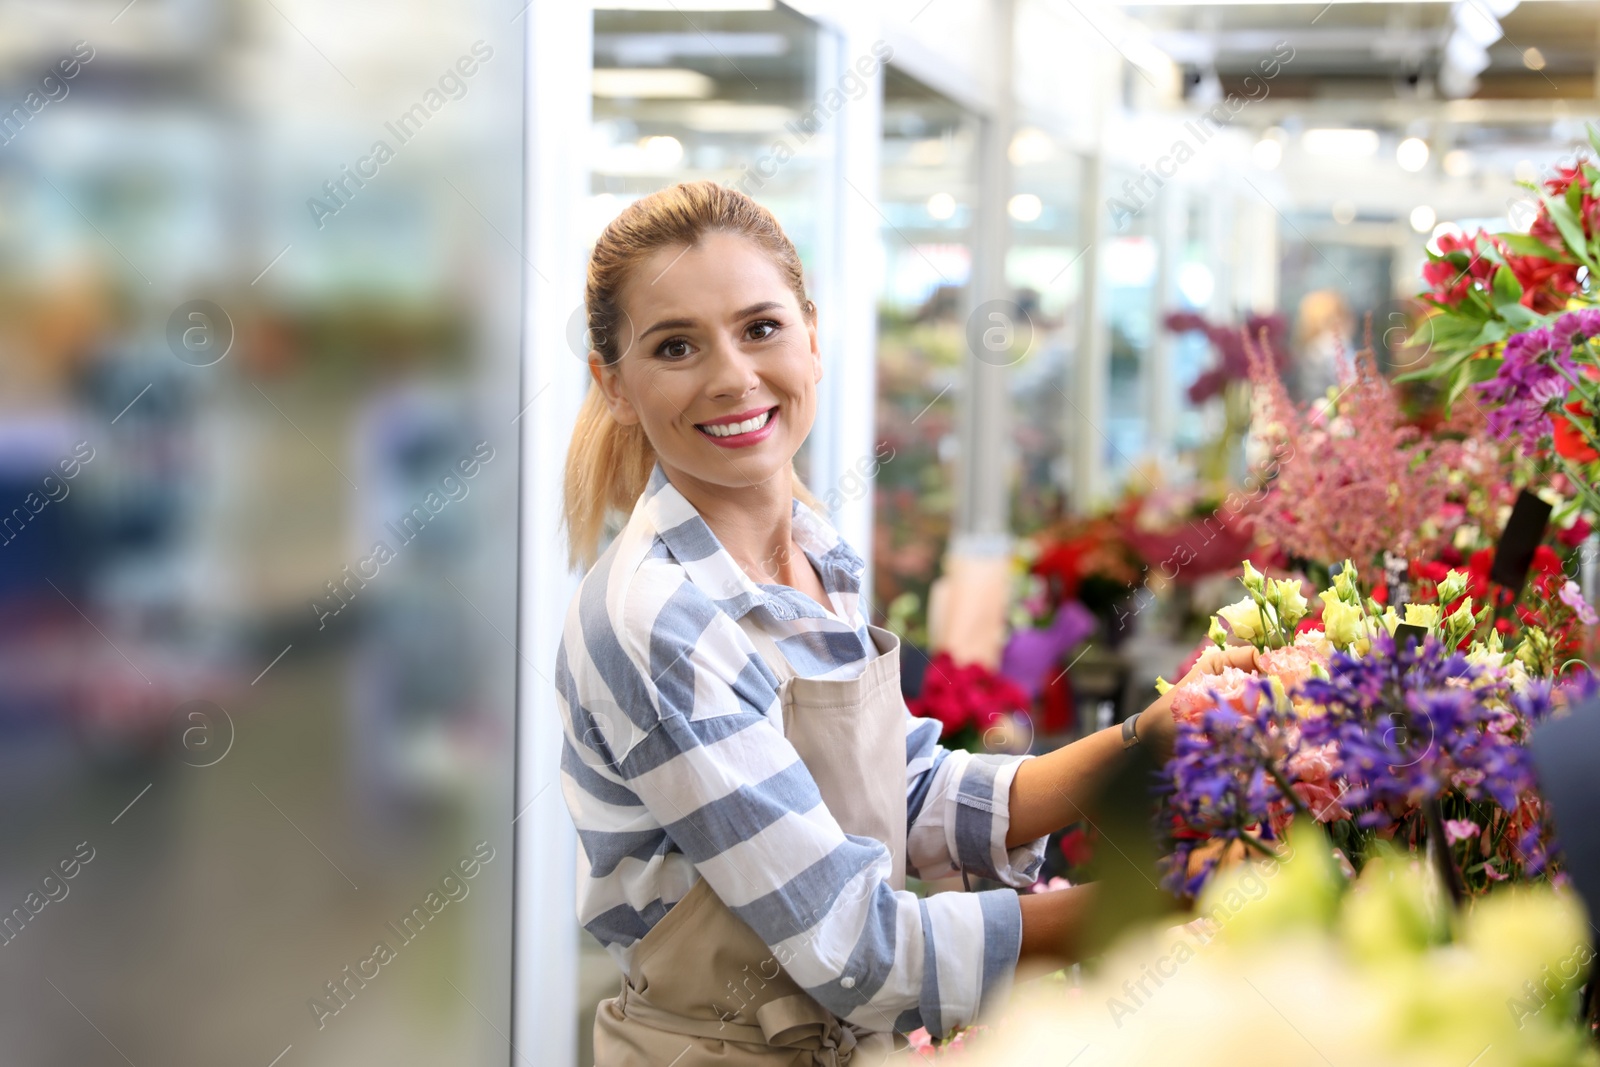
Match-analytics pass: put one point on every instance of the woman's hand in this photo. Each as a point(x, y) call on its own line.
point(1048, 791)
point(1156, 726)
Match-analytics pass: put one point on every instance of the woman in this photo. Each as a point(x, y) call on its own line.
point(748, 786)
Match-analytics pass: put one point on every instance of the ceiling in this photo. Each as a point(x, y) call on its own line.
point(1539, 51)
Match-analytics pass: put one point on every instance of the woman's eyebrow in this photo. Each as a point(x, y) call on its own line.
point(742, 313)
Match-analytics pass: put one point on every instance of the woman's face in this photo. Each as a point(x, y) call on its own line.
point(719, 365)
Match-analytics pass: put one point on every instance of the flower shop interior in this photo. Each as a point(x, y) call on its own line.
point(1146, 328)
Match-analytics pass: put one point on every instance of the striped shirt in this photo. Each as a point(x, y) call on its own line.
point(675, 768)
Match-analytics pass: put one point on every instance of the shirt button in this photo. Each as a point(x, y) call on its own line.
point(847, 982)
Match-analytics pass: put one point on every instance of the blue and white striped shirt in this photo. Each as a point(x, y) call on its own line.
point(675, 768)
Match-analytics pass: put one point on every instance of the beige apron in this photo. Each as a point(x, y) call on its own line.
point(706, 991)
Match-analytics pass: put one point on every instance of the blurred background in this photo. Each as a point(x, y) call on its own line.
point(286, 282)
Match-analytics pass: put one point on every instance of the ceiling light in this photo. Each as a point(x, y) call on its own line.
point(1031, 145)
point(659, 83)
point(1533, 59)
point(664, 152)
point(1412, 154)
point(1422, 218)
point(1477, 23)
point(941, 205)
point(1457, 162)
point(1024, 207)
point(1334, 142)
point(1464, 54)
point(1344, 212)
point(1267, 153)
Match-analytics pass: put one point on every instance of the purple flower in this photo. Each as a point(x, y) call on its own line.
point(1217, 782)
point(1576, 327)
point(1032, 654)
point(1409, 723)
point(1529, 381)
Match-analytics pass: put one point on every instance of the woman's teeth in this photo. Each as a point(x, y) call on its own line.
point(729, 429)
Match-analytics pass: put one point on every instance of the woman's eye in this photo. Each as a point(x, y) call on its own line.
point(767, 326)
point(674, 349)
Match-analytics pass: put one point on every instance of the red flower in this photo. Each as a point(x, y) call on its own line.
point(1430, 570)
point(1076, 847)
point(1568, 439)
point(1574, 535)
point(1450, 282)
point(969, 695)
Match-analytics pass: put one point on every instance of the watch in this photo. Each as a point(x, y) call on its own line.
point(1130, 733)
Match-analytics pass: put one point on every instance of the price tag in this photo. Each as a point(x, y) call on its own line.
point(1524, 530)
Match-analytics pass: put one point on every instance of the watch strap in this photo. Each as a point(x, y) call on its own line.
point(1130, 733)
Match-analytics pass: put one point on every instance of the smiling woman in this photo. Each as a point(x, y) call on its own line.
point(749, 788)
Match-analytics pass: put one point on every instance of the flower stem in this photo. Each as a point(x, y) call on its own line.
point(1289, 793)
point(1587, 491)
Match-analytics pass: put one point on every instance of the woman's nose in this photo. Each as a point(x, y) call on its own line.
point(732, 371)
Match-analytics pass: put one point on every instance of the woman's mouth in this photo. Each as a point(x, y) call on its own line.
point(749, 431)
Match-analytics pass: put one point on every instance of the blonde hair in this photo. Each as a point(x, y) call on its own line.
point(609, 463)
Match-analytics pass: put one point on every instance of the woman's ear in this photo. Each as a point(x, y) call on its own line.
point(608, 379)
point(816, 352)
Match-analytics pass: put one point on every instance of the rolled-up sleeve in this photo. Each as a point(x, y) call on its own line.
point(702, 753)
point(958, 811)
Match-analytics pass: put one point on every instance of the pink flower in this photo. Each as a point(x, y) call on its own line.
point(1572, 596)
point(1290, 665)
point(1494, 875)
point(1466, 778)
point(1323, 800)
point(1231, 688)
point(1314, 764)
point(1459, 830)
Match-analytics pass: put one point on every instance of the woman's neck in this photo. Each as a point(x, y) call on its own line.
point(754, 523)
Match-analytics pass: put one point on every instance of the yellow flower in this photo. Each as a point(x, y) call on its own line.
point(1341, 622)
point(1344, 584)
point(1291, 603)
point(1422, 615)
point(1249, 621)
point(1454, 584)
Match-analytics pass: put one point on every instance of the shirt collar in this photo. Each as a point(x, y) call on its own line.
point(689, 539)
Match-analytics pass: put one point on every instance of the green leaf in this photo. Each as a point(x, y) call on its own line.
point(1475, 371)
point(1506, 289)
point(1525, 244)
point(1492, 331)
point(1571, 230)
point(1575, 199)
point(1453, 358)
point(1594, 135)
point(1519, 318)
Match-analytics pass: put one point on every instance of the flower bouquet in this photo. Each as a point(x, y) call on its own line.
point(1415, 736)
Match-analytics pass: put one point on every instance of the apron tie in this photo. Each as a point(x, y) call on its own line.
point(797, 1022)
